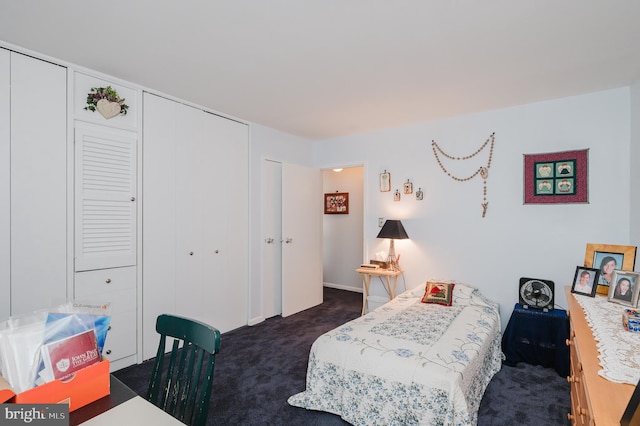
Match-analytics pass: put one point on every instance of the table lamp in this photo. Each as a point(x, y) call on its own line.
point(393, 230)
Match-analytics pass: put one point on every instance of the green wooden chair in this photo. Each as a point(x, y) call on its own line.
point(183, 388)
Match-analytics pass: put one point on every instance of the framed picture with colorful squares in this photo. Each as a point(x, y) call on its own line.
point(556, 177)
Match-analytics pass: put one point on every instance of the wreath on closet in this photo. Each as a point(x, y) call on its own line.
point(106, 101)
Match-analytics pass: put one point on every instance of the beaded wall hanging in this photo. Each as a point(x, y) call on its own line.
point(483, 171)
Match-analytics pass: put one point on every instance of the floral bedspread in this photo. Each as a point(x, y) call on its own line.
point(407, 362)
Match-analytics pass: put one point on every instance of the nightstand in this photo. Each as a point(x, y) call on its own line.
point(388, 274)
point(537, 337)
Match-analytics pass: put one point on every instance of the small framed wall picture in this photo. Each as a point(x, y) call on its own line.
point(585, 281)
point(396, 196)
point(419, 194)
point(408, 187)
point(385, 181)
point(336, 203)
point(624, 288)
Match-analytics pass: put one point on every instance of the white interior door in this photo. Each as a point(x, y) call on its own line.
point(302, 235)
point(272, 238)
point(38, 184)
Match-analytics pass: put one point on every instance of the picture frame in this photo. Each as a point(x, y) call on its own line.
point(336, 203)
point(385, 182)
point(588, 287)
point(600, 256)
point(419, 194)
point(396, 195)
point(556, 177)
point(625, 288)
point(408, 187)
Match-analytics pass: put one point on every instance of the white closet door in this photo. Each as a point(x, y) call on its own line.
point(302, 232)
point(5, 187)
point(38, 184)
point(226, 222)
point(160, 136)
point(191, 283)
point(195, 217)
point(105, 200)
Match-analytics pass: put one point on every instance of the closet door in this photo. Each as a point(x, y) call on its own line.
point(5, 187)
point(105, 201)
point(195, 219)
point(159, 244)
point(226, 222)
point(38, 184)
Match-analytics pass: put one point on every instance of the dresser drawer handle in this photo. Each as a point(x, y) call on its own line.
point(568, 342)
point(573, 379)
point(108, 281)
point(108, 352)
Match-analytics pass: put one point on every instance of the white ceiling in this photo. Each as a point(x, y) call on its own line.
point(324, 68)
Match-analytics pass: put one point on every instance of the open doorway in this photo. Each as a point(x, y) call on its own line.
point(343, 233)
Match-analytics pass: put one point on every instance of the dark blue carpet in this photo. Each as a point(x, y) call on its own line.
point(260, 366)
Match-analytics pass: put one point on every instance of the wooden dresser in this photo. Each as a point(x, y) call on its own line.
point(594, 399)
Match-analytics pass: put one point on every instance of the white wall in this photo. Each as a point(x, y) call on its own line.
point(266, 143)
point(634, 158)
point(450, 239)
point(342, 233)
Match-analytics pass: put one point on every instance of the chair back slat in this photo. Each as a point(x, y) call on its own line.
point(183, 388)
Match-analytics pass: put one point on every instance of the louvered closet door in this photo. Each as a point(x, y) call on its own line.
point(105, 203)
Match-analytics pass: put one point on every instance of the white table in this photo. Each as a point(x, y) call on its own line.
point(136, 411)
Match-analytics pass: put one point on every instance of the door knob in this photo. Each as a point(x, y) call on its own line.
point(269, 240)
point(288, 240)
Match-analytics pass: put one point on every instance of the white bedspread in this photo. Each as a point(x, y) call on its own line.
point(407, 362)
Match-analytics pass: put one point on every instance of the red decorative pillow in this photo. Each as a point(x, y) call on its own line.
point(440, 293)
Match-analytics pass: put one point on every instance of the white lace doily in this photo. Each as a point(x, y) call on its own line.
point(619, 355)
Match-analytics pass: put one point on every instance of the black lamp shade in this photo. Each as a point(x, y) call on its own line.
point(393, 229)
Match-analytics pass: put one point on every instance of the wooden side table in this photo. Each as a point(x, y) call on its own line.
point(367, 273)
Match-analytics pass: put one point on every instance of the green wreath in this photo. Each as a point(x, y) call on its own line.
point(107, 93)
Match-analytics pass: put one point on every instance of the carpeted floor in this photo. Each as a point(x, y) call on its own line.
point(260, 366)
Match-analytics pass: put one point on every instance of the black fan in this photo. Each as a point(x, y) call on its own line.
point(535, 293)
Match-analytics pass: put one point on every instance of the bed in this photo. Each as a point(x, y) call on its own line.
point(407, 362)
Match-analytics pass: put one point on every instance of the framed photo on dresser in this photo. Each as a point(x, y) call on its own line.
point(607, 258)
point(624, 288)
point(585, 281)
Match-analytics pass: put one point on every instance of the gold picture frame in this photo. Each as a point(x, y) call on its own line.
point(596, 254)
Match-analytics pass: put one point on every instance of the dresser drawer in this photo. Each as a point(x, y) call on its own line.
point(96, 283)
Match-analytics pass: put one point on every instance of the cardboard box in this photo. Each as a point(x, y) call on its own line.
point(631, 320)
point(86, 386)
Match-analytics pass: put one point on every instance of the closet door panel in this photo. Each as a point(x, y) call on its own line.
point(191, 284)
point(226, 225)
point(5, 187)
point(159, 215)
point(38, 184)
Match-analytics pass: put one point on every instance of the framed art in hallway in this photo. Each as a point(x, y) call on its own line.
point(624, 288)
point(585, 281)
point(556, 177)
point(607, 258)
point(336, 203)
